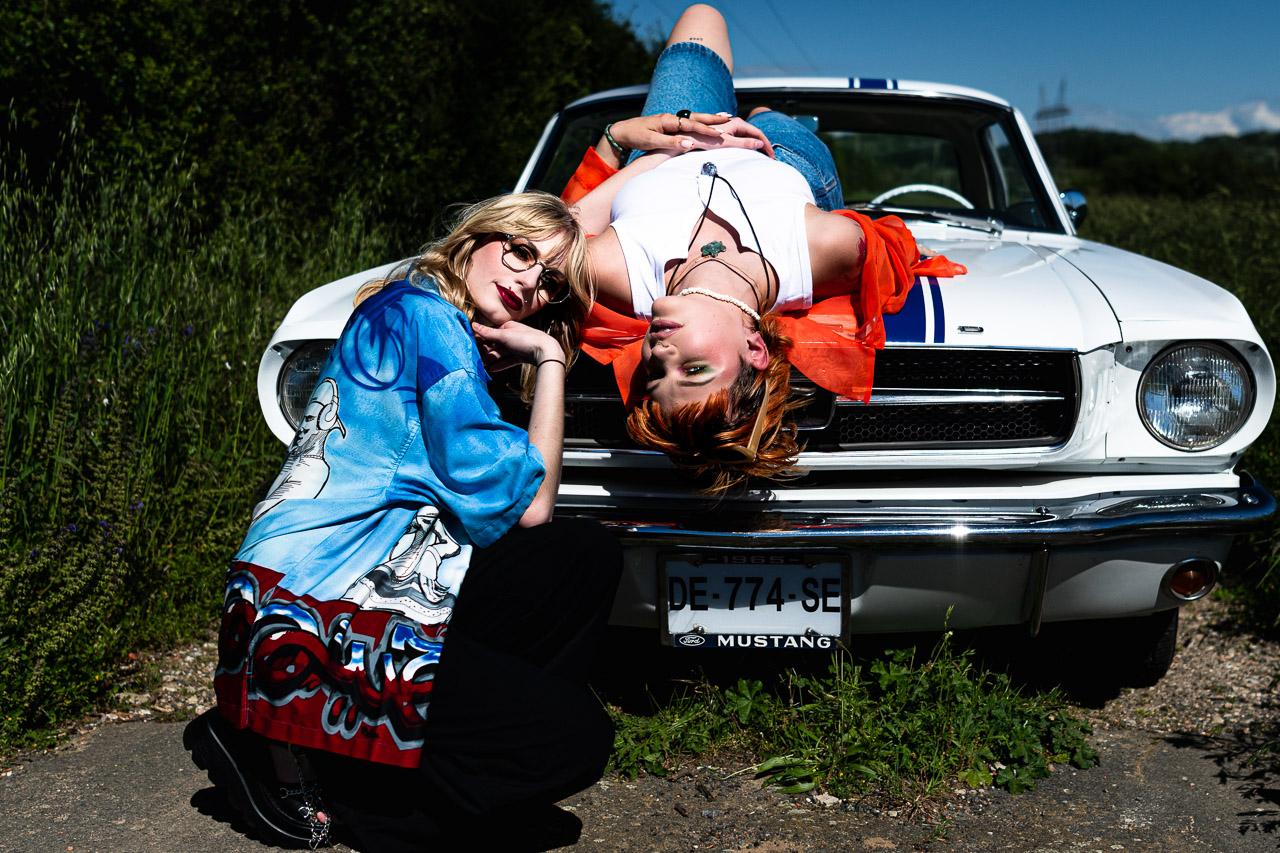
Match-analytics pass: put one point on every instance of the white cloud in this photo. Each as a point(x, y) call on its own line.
point(1191, 125)
point(1260, 116)
point(1194, 125)
point(1229, 121)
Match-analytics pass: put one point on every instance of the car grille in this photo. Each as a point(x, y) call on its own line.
point(935, 398)
point(921, 399)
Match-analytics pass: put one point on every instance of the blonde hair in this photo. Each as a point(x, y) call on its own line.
point(699, 436)
point(536, 215)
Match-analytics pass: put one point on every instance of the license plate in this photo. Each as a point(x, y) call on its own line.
point(745, 600)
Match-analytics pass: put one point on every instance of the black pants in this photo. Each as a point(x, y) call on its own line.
point(512, 724)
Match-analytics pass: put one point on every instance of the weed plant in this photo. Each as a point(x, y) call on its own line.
point(897, 728)
point(133, 446)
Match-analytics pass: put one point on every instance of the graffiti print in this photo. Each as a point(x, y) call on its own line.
point(327, 669)
point(408, 580)
point(305, 470)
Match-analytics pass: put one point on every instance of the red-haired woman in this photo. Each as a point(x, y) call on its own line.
point(713, 255)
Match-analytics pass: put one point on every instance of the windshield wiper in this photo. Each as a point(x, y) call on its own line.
point(985, 224)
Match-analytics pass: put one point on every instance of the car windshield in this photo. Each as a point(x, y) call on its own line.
point(956, 160)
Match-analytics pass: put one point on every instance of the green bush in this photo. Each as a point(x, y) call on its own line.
point(897, 728)
point(133, 444)
point(174, 176)
point(1104, 162)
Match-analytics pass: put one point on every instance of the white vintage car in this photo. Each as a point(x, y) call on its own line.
point(1052, 438)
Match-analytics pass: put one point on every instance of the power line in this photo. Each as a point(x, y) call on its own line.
point(663, 14)
point(736, 26)
point(763, 48)
point(813, 66)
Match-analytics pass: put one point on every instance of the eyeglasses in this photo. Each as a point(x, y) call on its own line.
point(519, 254)
point(748, 451)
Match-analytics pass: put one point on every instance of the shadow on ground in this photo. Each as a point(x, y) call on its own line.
point(1081, 659)
point(1248, 765)
point(212, 803)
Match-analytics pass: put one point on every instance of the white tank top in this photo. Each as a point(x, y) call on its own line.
point(654, 215)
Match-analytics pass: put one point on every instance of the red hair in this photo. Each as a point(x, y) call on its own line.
point(702, 437)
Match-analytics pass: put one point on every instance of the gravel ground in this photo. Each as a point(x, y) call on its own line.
point(1180, 769)
point(1223, 682)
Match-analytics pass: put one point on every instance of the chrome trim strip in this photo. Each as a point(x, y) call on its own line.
point(949, 397)
point(771, 526)
point(573, 397)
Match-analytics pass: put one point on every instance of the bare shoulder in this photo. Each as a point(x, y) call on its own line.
point(836, 244)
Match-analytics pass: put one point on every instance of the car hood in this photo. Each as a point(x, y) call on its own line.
point(321, 314)
point(1014, 295)
point(1021, 291)
point(1048, 291)
point(1154, 301)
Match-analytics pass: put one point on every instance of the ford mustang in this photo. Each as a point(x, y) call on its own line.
point(1052, 438)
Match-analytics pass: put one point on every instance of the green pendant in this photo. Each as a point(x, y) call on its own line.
point(710, 250)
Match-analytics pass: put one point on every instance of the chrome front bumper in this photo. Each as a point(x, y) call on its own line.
point(986, 562)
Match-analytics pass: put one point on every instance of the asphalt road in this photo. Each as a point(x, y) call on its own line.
point(131, 787)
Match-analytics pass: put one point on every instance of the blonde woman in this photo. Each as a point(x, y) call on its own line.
point(414, 637)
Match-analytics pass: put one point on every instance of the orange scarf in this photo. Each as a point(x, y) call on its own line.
point(833, 342)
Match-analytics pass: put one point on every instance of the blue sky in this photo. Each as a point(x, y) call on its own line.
point(1163, 69)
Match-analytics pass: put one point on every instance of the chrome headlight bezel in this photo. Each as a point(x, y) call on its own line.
point(298, 377)
point(1188, 350)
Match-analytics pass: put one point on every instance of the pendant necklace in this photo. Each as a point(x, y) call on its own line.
point(715, 247)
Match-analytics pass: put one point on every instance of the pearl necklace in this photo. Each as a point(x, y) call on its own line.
point(723, 297)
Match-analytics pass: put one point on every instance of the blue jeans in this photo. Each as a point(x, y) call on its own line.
point(691, 76)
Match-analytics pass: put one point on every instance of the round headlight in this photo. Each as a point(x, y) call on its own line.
point(1195, 396)
point(298, 379)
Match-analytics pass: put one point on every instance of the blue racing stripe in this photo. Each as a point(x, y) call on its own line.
point(939, 316)
point(907, 326)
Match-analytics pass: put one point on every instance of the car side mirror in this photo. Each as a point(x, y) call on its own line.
point(1076, 204)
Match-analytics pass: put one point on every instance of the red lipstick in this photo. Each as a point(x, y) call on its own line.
point(509, 298)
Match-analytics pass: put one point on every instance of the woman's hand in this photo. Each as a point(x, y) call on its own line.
point(514, 343)
point(700, 131)
point(737, 132)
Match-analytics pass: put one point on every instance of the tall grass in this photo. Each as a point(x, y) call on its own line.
point(131, 322)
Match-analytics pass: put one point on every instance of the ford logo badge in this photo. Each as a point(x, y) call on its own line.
point(691, 640)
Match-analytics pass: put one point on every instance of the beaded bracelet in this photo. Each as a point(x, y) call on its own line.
point(613, 143)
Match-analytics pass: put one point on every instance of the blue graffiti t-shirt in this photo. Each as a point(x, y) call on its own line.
point(401, 465)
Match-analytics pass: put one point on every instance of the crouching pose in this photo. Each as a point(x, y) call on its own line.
point(405, 643)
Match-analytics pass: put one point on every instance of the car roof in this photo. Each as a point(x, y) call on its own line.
point(919, 88)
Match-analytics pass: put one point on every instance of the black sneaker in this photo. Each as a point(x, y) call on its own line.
point(238, 763)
